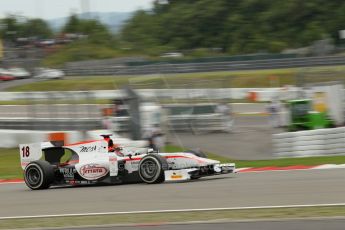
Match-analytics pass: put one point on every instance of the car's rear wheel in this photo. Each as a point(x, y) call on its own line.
point(151, 169)
point(39, 175)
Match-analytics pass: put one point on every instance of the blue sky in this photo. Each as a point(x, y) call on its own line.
point(48, 9)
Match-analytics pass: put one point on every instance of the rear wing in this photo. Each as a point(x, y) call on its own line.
point(29, 153)
point(33, 152)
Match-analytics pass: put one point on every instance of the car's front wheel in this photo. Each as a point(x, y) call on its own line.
point(39, 175)
point(151, 169)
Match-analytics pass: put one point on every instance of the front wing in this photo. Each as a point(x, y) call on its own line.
point(193, 173)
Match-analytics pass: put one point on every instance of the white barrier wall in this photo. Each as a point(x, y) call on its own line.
point(320, 142)
point(263, 94)
point(12, 138)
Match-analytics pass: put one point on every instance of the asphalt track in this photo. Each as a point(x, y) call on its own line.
point(322, 224)
point(241, 190)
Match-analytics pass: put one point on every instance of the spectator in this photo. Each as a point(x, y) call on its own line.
point(225, 110)
point(273, 110)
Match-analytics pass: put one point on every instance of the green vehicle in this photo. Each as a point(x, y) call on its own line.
point(304, 118)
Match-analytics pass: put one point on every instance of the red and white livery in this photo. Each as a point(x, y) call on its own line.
point(54, 164)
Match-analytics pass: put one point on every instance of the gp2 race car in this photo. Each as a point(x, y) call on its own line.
point(53, 163)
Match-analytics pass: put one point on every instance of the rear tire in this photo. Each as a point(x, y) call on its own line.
point(39, 175)
point(151, 169)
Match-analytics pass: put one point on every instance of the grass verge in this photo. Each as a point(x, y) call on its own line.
point(150, 218)
point(10, 162)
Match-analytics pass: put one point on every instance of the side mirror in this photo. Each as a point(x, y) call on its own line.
point(150, 151)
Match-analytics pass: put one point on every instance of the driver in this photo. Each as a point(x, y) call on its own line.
point(109, 141)
point(111, 146)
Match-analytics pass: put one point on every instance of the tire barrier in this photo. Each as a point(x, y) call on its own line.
point(321, 142)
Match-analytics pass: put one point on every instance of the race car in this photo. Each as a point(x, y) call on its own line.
point(55, 164)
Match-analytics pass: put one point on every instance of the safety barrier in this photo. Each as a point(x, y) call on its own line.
point(163, 68)
point(50, 123)
point(191, 123)
point(197, 118)
point(184, 117)
point(261, 94)
point(320, 142)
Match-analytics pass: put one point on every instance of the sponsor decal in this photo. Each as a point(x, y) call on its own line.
point(80, 182)
point(87, 149)
point(68, 172)
point(93, 171)
point(176, 176)
point(88, 182)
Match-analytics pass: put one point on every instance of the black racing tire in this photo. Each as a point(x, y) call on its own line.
point(151, 169)
point(39, 175)
point(197, 153)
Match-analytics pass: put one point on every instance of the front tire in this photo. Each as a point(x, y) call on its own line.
point(151, 169)
point(38, 175)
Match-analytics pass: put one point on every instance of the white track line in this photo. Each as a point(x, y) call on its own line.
point(173, 210)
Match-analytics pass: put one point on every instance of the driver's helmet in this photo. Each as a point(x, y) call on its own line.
point(110, 142)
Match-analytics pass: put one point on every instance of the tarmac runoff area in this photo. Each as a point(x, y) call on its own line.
point(274, 188)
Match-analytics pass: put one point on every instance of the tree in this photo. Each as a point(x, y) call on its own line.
point(14, 27)
point(10, 27)
point(96, 31)
point(236, 26)
point(35, 28)
point(72, 25)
